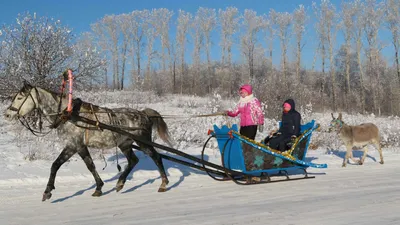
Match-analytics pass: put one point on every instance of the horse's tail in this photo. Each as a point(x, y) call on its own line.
point(159, 123)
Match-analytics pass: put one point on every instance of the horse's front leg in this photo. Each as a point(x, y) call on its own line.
point(85, 155)
point(66, 154)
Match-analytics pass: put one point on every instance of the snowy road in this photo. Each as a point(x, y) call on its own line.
point(368, 194)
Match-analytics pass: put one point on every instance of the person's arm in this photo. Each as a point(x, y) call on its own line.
point(259, 112)
point(297, 120)
point(234, 112)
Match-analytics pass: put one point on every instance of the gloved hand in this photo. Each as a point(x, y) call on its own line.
point(261, 128)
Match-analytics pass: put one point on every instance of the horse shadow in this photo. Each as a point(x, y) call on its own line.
point(356, 154)
point(145, 163)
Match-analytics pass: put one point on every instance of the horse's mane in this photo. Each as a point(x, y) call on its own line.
point(85, 105)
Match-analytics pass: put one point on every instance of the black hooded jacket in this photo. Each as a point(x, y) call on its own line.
point(290, 121)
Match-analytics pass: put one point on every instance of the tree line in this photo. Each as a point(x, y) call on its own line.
point(170, 52)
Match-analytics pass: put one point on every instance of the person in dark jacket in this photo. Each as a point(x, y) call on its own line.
point(289, 130)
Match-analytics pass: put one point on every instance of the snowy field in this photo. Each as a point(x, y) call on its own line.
point(367, 194)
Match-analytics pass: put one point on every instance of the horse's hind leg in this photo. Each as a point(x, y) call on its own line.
point(126, 148)
point(66, 153)
point(85, 155)
point(158, 161)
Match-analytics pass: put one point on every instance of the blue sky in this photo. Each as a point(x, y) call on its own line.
point(78, 15)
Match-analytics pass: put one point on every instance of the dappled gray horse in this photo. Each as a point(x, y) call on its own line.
point(79, 136)
point(356, 136)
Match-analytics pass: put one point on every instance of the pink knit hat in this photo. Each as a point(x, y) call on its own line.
point(248, 88)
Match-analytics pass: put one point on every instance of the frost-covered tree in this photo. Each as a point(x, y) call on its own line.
point(163, 17)
point(151, 33)
point(392, 17)
point(138, 28)
point(283, 21)
point(228, 23)
point(252, 24)
point(326, 29)
point(197, 37)
point(88, 62)
point(347, 27)
point(123, 22)
point(183, 26)
point(374, 12)
point(39, 49)
point(299, 28)
point(207, 19)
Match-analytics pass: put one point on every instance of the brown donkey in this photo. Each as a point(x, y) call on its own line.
point(356, 136)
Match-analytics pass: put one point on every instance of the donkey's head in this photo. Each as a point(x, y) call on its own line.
point(336, 123)
point(22, 103)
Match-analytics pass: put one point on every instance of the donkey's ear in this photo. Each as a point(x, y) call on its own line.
point(340, 116)
point(332, 116)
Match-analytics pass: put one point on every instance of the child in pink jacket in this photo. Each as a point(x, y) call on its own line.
point(251, 114)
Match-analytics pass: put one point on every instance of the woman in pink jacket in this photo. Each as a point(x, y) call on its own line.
point(251, 114)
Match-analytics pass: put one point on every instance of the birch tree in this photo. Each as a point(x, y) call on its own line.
point(358, 9)
point(123, 22)
point(183, 26)
point(197, 37)
point(110, 25)
point(326, 18)
point(207, 18)
point(392, 17)
point(228, 22)
point(268, 25)
point(151, 20)
point(347, 27)
point(283, 22)
point(163, 18)
point(252, 25)
point(373, 20)
point(138, 28)
point(299, 23)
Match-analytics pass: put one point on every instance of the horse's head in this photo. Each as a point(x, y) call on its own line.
point(336, 123)
point(22, 103)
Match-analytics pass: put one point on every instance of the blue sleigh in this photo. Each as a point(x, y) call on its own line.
point(258, 160)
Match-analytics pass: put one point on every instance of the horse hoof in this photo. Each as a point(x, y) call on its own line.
point(360, 163)
point(381, 162)
point(119, 187)
point(344, 165)
point(97, 193)
point(162, 189)
point(46, 196)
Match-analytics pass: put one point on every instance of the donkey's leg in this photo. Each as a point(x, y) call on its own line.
point(66, 153)
point(158, 161)
point(352, 157)
point(126, 148)
point(85, 155)
point(347, 156)
point(378, 146)
point(363, 156)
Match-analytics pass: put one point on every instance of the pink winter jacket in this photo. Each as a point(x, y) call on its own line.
point(250, 111)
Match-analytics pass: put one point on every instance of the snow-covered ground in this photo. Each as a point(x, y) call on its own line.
point(367, 194)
